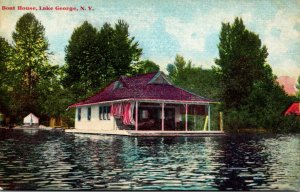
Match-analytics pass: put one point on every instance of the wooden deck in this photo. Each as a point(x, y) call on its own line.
point(149, 133)
point(175, 133)
point(98, 132)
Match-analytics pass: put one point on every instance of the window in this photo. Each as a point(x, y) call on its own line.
point(89, 113)
point(100, 112)
point(79, 114)
point(118, 85)
point(108, 112)
point(104, 112)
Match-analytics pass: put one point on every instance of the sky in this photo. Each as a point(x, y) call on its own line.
point(165, 28)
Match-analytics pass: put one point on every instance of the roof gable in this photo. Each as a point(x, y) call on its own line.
point(293, 109)
point(118, 85)
point(159, 78)
point(31, 114)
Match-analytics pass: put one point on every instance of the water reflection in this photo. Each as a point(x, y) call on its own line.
point(283, 151)
point(55, 160)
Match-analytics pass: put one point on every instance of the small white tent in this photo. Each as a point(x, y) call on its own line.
point(31, 119)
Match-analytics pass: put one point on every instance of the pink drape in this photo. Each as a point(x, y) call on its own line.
point(124, 111)
point(117, 109)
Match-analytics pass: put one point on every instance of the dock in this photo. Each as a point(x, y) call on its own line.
point(175, 133)
point(148, 133)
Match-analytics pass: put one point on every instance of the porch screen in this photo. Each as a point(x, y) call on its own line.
point(194, 110)
point(124, 111)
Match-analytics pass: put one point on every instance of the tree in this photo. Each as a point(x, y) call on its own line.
point(29, 83)
point(30, 57)
point(82, 62)
point(241, 62)
point(105, 38)
point(146, 66)
point(125, 51)
point(251, 97)
point(201, 81)
point(5, 60)
point(94, 58)
point(5, 56)
point(31, 49)
point(53, 97)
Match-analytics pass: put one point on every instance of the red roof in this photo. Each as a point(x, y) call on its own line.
point(151, 86)
point(293, 109)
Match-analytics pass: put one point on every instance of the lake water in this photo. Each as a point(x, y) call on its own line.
point(46, 160)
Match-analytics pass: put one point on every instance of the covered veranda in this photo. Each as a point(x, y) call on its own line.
point(166, 116)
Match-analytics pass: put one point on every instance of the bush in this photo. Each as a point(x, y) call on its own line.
point(271, 121)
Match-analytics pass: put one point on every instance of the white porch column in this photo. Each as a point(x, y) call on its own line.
point(208, 117)
point(162, 116)
point(136, 115)
point(194, 118)
point(186, 117)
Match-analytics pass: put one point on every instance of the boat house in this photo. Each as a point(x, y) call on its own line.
point(146, 103)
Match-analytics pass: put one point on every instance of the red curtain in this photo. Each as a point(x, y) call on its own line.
point(117, 109)
point(124, 111)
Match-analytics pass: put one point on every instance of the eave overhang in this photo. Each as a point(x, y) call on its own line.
point(165, 101)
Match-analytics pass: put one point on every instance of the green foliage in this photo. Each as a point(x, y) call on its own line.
point(81, 59)
point(29, 59)
point(5, 56)
point(251, 97)
point(94, 58)
point(241, 62)
point(204, 82)
point(269, 121)
point(53, 99)
point(264, 109)
point(31, 49)
point(143, 67)
point(125, 50)
point(28, 82)
point(5, 60)
point(105, 38)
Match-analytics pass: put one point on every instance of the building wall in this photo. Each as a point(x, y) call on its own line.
point(94, 123)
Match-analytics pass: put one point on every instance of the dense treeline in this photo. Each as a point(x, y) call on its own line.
point(26, 68)
point(96, 57)
point(195, 79)
point(31, 83)
point(241, 80)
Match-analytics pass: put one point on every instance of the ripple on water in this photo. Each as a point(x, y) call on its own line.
point(151, 187)
point(113, 186)
point(69, 162)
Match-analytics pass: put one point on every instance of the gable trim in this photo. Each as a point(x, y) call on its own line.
point(159, 74)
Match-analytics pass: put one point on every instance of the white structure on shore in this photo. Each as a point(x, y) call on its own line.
point(31, 119)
